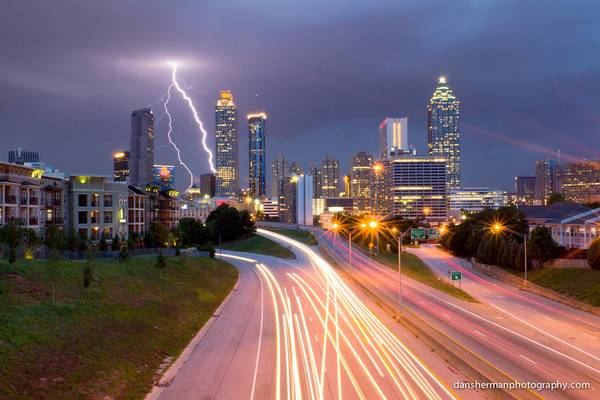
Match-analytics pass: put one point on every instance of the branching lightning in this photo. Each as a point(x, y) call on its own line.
point(190, 103)
point(170, 131)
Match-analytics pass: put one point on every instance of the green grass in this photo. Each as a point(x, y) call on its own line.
point(415, 268)
point(259, 244)
point(580, 284)
point(301, 236)
point(108, 339)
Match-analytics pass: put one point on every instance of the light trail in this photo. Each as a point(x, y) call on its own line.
point(170, 131)
point(190, 104)
point(360, 343)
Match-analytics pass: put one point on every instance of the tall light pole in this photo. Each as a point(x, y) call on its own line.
point(498, 227)
point(361, 226)
point(400, 238)
point(373, 224)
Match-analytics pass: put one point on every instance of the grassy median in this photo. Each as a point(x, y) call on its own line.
point(415, 268)
point(109, 339)
point(259, 244)
point(301, 236)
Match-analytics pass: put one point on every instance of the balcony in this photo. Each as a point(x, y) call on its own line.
point(10, 199)
point(33, 201)
point(33, 221)
point(56, 202)
point(55, 221)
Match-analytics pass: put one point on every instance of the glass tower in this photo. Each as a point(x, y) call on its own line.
point(226, 135)
point(141, 147)
point(444, 133)
point(257, 130)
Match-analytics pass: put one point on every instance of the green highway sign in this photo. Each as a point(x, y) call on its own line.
point(418, 233)
point(456, 275)
point(433, 233)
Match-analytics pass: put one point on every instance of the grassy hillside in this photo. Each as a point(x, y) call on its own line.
point(108, 339)
point(259, 244)
point(301, 236)
point(581, 284)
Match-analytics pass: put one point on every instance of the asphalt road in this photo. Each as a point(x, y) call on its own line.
point(532, 339)
point(295, 329)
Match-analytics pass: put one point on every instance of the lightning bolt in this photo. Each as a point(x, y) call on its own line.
point(170, 131)
point(195, 113)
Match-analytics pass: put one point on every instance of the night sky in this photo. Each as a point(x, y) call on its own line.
point(527, 74)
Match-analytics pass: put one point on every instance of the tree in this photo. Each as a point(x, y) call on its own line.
point(192, 232)
point(540, 245)
point(224, 223)
point(161, 262)
point(55, 238)
point(555, 197)
point(158, 235)
point(102, 246)
point(115, 244)
point(593, 254)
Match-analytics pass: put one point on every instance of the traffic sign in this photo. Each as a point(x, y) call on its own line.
point(433, 233)
point(418, 233)
point(456, 275)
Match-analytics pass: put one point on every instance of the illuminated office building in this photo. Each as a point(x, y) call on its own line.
point(227, 147)
point(330, 177)
point(257, 131)
point(141, 147)
point(381, 181)
point(121, 166)
point(443, 114)
point(476, 199)
point(393, 137)
point(580, 181)
point(360, 185)
point(418, 187)
point(21, 156)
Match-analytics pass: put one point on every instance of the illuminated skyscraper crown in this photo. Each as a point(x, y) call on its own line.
point(442, 91)
point(225, 99)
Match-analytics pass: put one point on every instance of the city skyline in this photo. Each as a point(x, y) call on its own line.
point(511, 123)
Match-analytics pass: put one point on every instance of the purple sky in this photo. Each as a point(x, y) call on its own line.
point(527, 74)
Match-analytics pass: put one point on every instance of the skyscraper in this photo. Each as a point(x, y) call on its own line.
point(330, 170)
point(525, 189)
point(393, 137)
point(227, 147)
point(361, 181)
point(317, 174)
point(207, 184)
point(580, 181)
point(279, 170)
point(121, 166)
point(141, 147)
point(380, 187)
point(546, 181)
point(257, 134)
point(443, 114)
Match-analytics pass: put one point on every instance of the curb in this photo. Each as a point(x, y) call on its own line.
point(169, 375)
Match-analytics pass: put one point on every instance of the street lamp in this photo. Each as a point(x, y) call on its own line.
point(373, 224)
point(361, 226)
point(400, 238)
point(498, 228)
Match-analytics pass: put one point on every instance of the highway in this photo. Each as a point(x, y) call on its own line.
point(295, 329)
point(529, 338)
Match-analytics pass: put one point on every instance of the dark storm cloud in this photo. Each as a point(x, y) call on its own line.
point(526, 73)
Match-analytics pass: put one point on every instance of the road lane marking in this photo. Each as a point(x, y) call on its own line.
point(528, 359)
point(479, 333)
point(262, 312)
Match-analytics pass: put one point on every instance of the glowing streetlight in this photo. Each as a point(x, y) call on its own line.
point(335, 226)
point(373, 224)
point(426, 211)
point(497, 227)
point(377, 168)
point(443, 230)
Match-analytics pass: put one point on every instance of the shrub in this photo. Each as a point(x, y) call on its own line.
point(88, 274)
point(116, 244)
point(593, 254)
point(208, 247)
point(123, 253)
point(12, 255)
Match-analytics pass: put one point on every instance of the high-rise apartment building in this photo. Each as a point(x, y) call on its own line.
point(257, 146)
point(580, 181)
point(525, 189)
point(141, 147)
point(418, 187)
point(295, 200)
point(393, 137)
point(121, 166)
point(361, 181)
point(330, 178)
point(227, 147)
point(546, 181)
point(443, 114)
point(317, 174)
point(296, 168)
point(20, 156)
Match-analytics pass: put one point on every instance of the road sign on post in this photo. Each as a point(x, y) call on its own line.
point(432, 233)
point(456, 276)
point(417, 233)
